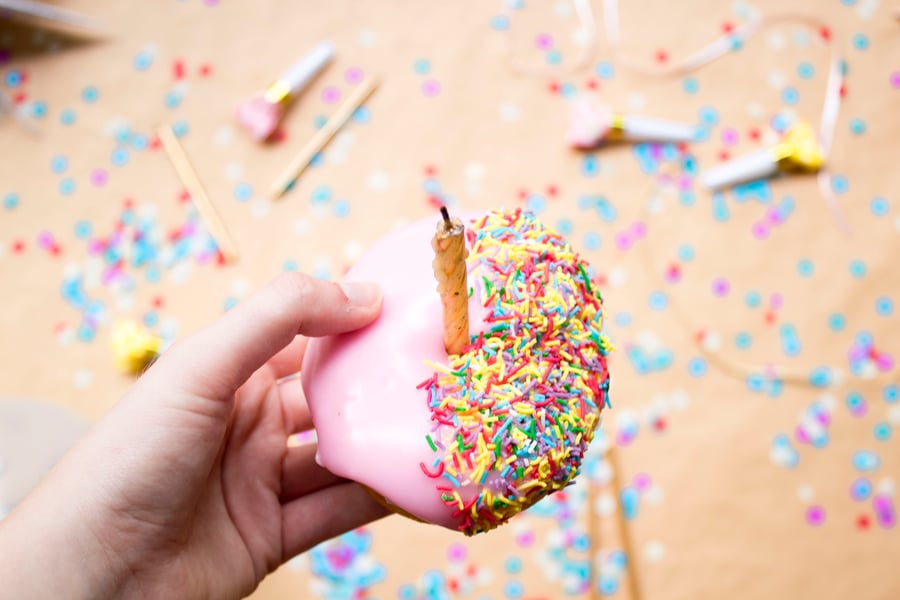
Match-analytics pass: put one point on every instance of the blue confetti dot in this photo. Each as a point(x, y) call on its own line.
point(290, 265)
point(553, 57)
point(865, 461)
point(690, 85)
point(805, 70)
point(83, 230)
point(820, 377)
point(623, 319)
point(13, 78)
point(590, 166)
point(67, 117)
point(421, 66)
point(687, 198)
point(513, 565)
point(858, 268)
point(90, 94)
point(884, 306)
point(139, 142)
point(743, 340)
point(341, 209)
point(11, 201)
point(685, 253)
point(658, 300)
point(513, 590)
point(153, 274)
point(709, 116)
point(855, 402)
point(790, 96)
point(321, 194)
point(67, 186)
point(697, 366)
point(836, 322)
point(608, 585)
point(861, 41)
point(879, 206)
point(735, 43)
point(143, 61)
point(319, 121)
point(58, 164)
point(565, 226)
point(805, 267)
point(756, 383)
point(119, 157)
point(362, 115)
point(230, 302)
point(536, 203)
point(605, 70)
point(839, 184)
point(180, 128)
point(85, 333)
point(780, 122)
point(499, 23)
point(151, 318)
point(592, 240)
point(172, 100)
point(568, 90)
point(848, 2)
point(790, 344)
point(861, 489)
point(38, 109)
point(752, 299)
point(890, 393)
point(701, 134)
point(857, 126)
point(882, 431)
point(243, 192)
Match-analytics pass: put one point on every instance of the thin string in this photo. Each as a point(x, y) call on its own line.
point(587, 23)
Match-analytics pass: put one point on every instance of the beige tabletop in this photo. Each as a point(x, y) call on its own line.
point(736, 486)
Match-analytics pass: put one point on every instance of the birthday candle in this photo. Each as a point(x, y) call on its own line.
point(591, 122)
point(798, 151)
point(449, 265)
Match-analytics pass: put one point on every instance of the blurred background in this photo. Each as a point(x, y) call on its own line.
point(754, 387)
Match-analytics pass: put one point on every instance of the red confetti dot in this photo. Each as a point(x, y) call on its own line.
point(184, 196)
point(156, 302)
point(682, 147)
point(205, 70)
point(18, 246)
point(863, 522)
point(659, 424)
point(552, 190)
point(128, 203)
point(220, 259)
point(453, 585)
point(674, 272)
point(553, 87)
point(430, 170)
point(843, 90)
point(19, 97)
point(55, 250)
point(522, 193)
point(155, 143)
point(724, 155)
point(278, 136)
point(591, 84)
point(770, 317)
point(754, 134)
point(700, 336)
point(600, 278)
point(435, 201)
point(825, 33)
point(727, 27)
point(178, 69)
point(662, 56)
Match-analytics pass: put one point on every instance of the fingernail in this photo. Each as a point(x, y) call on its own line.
point(361, 293)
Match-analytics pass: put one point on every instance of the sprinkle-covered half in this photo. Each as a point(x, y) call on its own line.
point(512, 416)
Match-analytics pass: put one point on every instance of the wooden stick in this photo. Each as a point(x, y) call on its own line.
point(191, 182)
point(624, 530)
point(449, 243)
point(321, 137)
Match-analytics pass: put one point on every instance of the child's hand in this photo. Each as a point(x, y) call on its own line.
point(187, 487)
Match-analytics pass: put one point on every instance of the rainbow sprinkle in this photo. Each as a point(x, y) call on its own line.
point(514, 414)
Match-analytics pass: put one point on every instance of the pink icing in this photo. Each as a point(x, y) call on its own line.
point(589, 122)
point(370, 419)
point(259, 116)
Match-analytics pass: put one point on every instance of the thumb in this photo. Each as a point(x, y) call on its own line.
point(217, 360)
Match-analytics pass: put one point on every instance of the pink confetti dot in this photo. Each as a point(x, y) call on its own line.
point(639, 230)
point(99, 177)
point(331, 94)
point(623, 241)
point(543, 42)
point(776, 301)
point(895, 80)
point(525, 539)
point(815, 515)
point(720, 287)
point(353, 75)
point(730, 137)
point(760, 231)
point(456, 553)
point(45, 239)
point(642, 481)
point(431, 87)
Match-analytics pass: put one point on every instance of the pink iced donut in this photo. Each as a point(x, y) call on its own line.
point(465, 441)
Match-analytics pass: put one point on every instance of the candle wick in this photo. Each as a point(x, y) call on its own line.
point(446, 215)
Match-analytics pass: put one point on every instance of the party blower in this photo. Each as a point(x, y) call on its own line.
point(591, 122)
point(261, 114)
point(798, 151)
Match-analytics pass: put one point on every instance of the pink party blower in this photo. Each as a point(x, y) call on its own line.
point(261, 114)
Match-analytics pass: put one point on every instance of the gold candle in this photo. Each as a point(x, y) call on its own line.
point(449, 264)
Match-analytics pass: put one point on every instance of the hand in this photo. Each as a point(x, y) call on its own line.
point(187, 488)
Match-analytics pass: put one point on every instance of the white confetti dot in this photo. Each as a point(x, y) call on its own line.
point(353, 250)
point(474, 171)
point(655, 205)
point(367, 39)
point(82, 378)
point(805, 494)
point(800, 37)
point(617, 277)
point(756, 110)
point(712, 341)
point(563, 10)
point(240, 287)
point(484, 577)
point(302, 227)
point(378, 181)
point(865, 10)
point(260, 209)
point(234, 171)
point(168, 328)
point(654, 495)
point(679, 399)
point(776, 79)
point(648, 340)
point(319, 211)
point(581, 37)
point(509, 112)
point(66, 337)
point(887, 486)
point(636, 101)
point(654, 551)
point(181, 273)
point(223, 136)
point(893, 415)
point(829, 402)
point(776, 41)
point(125, 301)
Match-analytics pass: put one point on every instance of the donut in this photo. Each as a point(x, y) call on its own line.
point(465, 441)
